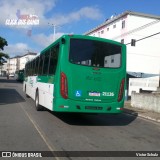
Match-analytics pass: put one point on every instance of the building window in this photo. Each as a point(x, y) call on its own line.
point(108, 29)
point(114, 26)
point(122, 41)
point(102, 31)
point(123, 24)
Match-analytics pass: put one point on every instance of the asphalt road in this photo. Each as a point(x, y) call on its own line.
point(22, 128)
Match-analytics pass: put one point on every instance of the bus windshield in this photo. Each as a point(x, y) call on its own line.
point(94, 53)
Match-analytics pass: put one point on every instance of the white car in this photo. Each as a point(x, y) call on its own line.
point(11, 75)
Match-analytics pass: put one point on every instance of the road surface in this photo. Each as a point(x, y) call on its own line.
point(22, 128)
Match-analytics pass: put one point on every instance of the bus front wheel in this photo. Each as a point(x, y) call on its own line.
point(37, 105)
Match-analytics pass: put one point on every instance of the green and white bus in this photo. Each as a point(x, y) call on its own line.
point(19, 75)
point(78, 73)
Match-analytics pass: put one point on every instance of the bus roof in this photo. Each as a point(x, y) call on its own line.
point(83, 37)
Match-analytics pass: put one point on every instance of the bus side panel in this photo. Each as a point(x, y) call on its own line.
point(28, 86)
point(45, 87)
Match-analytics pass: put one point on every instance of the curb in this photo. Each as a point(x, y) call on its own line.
point(134, 113)
point(149, 118)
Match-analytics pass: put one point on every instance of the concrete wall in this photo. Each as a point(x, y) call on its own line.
point(146, 101)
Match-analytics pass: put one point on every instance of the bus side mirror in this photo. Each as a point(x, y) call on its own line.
point(63, 40)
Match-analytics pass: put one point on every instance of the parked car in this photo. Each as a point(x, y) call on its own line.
point(11, 75)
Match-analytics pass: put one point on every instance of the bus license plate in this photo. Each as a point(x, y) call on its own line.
point(97, 94)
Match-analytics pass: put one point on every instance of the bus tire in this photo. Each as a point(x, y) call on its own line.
point(37, 105)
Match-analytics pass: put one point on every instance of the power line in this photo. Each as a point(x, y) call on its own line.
point(145, 37)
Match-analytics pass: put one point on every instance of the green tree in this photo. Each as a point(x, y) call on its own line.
point(3, 56)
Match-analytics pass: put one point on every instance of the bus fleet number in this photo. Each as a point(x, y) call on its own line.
point(109, 94)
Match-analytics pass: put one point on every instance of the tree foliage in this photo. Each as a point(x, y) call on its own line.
point(3, 56)
point(3, 43)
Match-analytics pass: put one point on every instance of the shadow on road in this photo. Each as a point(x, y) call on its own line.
point(8, 96)
point(95, 120)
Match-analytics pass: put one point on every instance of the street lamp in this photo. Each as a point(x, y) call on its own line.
point(54, 30)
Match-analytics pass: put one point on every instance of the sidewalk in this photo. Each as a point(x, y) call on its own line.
point(140, 112)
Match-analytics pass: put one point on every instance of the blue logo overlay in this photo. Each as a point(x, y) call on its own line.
point(78, 93)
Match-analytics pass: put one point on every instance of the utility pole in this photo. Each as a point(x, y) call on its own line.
point(54, 34)
point(54, 30)
point(159, 79)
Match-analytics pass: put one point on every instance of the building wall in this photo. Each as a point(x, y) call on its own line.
point(3, 69)
point(144, 57)
point(18, 63)
point(11, 65)
point(24, 60)
point(112, 30)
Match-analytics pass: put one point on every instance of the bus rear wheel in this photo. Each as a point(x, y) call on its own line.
point(37, 105)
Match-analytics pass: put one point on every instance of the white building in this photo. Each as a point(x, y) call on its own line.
point(3, 69)
point(12, 64)
point(25, 58)
point(18, 62)
point(143, 59)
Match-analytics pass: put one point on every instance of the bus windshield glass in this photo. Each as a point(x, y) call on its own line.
point(94, 53)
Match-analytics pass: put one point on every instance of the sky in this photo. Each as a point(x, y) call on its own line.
point(68, 16)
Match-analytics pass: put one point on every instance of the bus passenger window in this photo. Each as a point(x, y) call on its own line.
point(36, 66)
point(40, 65)
point(46, 63)
point(53, 59)
point(33, 67)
